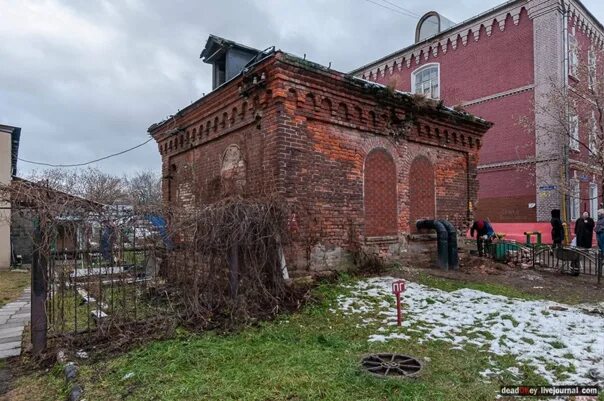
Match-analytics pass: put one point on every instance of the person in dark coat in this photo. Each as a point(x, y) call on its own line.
point(484, 233)
point(600, 231)
point(584, 229)
point(557, 228)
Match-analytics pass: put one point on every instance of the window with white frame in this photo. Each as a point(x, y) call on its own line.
point(573, 130)
point(593, 199)
point(426, 80)
point(575, 201)
point(573, 54)
point(593, 134)
point(591, 65)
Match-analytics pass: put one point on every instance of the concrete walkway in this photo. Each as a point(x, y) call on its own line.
point(13, 318)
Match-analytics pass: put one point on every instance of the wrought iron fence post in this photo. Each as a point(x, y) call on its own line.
point(38, 294)
point(599, 264)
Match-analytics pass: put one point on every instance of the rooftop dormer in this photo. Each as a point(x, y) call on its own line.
point(228, 58)
point(431, 24)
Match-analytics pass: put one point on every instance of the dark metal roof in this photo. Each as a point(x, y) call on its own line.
point(15, 133)
point(216, 46)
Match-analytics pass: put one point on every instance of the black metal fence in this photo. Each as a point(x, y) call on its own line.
point(94, 276)
point(568, 260)
point(91, 290)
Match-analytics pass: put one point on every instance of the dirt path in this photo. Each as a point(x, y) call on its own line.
point(547, 284)
point(13, 317)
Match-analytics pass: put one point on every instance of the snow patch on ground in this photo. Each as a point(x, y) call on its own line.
point(535, 334)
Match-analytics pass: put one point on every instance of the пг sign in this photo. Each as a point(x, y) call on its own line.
point(398, 286)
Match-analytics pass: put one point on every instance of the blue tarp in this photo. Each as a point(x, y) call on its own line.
point(160, 223)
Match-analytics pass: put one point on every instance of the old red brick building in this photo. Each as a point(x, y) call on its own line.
point(358, 162)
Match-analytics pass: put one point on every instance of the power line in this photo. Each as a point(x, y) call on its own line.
point(407, 14)
point(399, 10)
point(89, 162)
point(402, 8)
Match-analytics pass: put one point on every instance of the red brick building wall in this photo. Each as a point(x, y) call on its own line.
point(500, 65)
point(486, 66)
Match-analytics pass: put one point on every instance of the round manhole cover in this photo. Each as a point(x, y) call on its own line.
point(391, 365)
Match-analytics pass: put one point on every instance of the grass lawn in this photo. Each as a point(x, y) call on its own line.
point(311, 355)
point(12, 284)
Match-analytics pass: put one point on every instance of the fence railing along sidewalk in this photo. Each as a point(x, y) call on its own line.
point(571, 260)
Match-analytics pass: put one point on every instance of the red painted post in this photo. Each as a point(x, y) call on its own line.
point(398, 309)
point(397, 288)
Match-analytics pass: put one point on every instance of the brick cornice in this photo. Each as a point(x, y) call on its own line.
point(447, 40)
point(585, 21)
point(427, 128)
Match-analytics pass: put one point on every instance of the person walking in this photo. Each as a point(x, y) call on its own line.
point(584, 228)
point(600, 230)
point(484, 232)
point(557, 228)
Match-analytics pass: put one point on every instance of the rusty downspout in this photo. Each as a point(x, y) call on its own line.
point(441, 238)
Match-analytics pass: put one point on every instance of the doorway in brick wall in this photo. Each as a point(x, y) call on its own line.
point(422, 200)
point(380, 194)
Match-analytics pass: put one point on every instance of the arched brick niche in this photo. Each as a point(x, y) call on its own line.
point(422, 201)
point(380, 194)
point(232, 170)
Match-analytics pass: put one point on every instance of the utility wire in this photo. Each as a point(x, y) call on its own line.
point(89, 162)
point(401, 8)
point(407, 14)
point(398, 9)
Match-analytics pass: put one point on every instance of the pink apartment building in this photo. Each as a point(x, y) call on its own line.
point(500, 65)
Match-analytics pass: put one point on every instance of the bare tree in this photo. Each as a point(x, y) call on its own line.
point(90, 183)
point(102, 187)
point(144, 188)
point(572, 118)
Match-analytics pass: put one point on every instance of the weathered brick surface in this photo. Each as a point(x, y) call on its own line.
point(335, 150)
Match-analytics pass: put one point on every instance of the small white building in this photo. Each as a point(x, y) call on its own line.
point(9, 148)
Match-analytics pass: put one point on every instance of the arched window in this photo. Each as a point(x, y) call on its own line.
point(426, 80)
point(573, 54)
point(430, 26)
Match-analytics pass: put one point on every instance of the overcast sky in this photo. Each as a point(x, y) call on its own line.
point(86, 78)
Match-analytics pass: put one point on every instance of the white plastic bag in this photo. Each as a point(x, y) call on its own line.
point(574, 242)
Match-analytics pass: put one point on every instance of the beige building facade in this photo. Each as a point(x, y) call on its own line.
point(9, 145)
